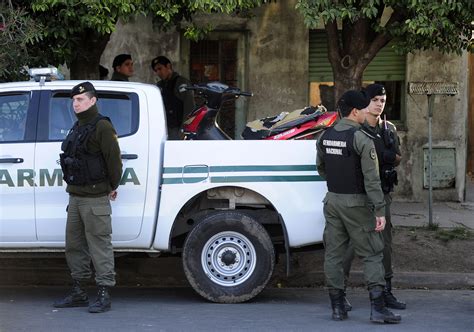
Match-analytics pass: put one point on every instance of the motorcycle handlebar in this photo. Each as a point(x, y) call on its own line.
point(184, 87)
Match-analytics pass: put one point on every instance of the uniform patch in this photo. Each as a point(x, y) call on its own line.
point(373, 154)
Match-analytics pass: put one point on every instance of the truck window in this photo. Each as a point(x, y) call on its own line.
point(121, 108)
point(13, 113)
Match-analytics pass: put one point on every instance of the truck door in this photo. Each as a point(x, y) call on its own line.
point(57, 117)
point(18, 111)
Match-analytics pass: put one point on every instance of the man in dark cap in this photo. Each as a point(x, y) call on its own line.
point(92, 168)
point(178, 105)
point(353, 206)
point(123, 67)
point(387, 146)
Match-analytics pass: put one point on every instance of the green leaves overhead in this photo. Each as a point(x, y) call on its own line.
point(68, 16)
point(223, 6)
point(446, 25)
point(17, 33)
point(77, 31)
point(171, 13)
point(315, 11)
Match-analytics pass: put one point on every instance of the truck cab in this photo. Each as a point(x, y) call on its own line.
point(227, 207)
point(34, 120)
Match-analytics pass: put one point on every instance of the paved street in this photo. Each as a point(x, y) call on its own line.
point(180, 309)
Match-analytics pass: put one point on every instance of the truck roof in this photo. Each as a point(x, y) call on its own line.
point(68, 84)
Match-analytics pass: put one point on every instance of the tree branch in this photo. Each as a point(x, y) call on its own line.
point(383, 38)
point(398, 15)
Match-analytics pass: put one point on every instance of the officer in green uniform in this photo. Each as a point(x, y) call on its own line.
point(178, 104)
point(388, 152)
point(353, 206)
point(123, 68)
point(92, 168)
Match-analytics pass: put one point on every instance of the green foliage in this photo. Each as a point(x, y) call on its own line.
point(413, 234)
point(442, 234)
point(66, 28)
point(432, 227)
point(223, 6)
point(172, 13)
point(457, 233)
point(66, 21)
point(445, 25)
point(195, 33)
point(18, 32)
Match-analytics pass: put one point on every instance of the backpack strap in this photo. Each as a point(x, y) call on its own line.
point(89, 130)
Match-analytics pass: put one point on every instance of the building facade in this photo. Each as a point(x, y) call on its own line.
point(275, 56)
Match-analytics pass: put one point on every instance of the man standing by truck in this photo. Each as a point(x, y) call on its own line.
point(178, 105)
point(92, 168)
point(353, 206)
point(388, 154)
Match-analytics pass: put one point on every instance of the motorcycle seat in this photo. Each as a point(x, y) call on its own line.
point(269, 126)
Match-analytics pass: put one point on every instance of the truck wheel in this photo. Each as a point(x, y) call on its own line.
point(228, 257)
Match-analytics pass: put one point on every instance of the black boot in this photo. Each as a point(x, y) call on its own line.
point(77, 297)
point(102, 303)
point(390, 300)
point(345, 302)
point(337, 298)
point(378, 312)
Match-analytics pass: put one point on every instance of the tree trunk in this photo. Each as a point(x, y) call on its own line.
point(344, 54)
point(344, 80)
point(351, 50)
point(85, 64)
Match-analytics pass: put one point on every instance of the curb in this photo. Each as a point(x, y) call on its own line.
point(431, 280)
point(435, 280)
point(165, 272)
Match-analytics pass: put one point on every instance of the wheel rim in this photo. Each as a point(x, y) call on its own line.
point(228, 258)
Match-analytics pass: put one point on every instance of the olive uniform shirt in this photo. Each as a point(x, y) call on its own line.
point(104, 140)
point(364, 147)
point(186, 97)
point(116, 76)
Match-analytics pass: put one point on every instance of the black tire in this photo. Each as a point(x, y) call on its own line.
point(213, 252)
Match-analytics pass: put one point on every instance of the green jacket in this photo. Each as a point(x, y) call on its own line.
point(187, 97)
point(119, 77)
point(105, 141)
point(364, 147)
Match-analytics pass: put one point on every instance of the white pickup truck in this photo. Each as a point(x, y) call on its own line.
point(226, 206)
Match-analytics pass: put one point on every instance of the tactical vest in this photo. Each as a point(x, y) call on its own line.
point(173, 105)
point(343, 167)
point(386, 152)
point(79, 166)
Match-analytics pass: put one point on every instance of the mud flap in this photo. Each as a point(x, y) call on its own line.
point(287, 245)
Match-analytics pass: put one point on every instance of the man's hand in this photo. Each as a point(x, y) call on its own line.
point(398, 158)
point(113, 195)
point(379, 224)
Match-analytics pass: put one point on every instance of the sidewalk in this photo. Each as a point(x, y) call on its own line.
point(445, 214)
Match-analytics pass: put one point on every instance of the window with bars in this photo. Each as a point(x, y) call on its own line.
point(216, 60)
